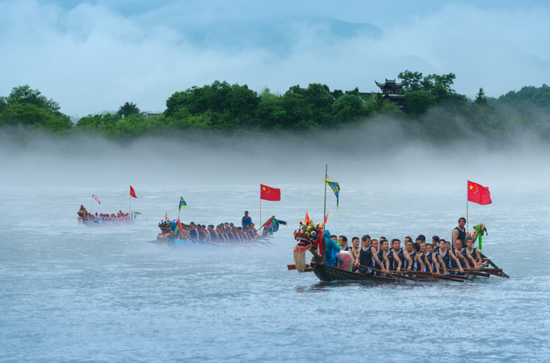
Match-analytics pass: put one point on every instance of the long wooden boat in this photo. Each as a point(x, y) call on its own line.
point(177, 242)
point(101, 220)
point(329, 273)
point(313, 238)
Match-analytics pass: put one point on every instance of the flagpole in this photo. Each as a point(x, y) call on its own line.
point(325, 205)
point(92, 205)
point(260, 207)
point(466, 208)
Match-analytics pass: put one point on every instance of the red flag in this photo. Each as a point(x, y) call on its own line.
point(269, 193)
point(96, 198)
point(132, 192)
point(479, 194)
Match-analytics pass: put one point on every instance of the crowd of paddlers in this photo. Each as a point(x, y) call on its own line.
point(224, 233)
point(380, 256)
point(102, 217)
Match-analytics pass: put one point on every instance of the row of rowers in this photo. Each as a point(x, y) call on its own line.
point(100, 217)
point(435, 257)
point(222, 233)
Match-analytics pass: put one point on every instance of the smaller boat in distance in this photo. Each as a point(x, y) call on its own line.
point(175, 233)
point(105, 219)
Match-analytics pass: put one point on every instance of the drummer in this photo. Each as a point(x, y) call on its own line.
point(246, 220)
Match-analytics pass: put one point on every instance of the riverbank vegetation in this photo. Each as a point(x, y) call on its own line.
point(432, 111)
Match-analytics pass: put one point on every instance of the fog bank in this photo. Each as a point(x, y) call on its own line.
point(379, 153)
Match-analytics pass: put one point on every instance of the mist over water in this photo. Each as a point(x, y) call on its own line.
point(71, 293)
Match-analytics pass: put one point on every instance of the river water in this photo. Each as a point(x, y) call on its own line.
point(80, 294)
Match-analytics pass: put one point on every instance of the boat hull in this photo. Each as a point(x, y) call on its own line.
point(105, 223)
point(329, 273)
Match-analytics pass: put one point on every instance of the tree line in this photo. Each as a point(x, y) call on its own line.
point(432, 110)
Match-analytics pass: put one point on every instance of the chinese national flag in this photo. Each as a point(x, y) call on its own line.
point(132, 192)
point(269, 193)
point(479, 194)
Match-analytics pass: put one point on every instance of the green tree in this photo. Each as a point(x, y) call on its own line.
point(24, 95)
point(439, 86)
point(129, 108)
point(416, 103)
point(3, 104)
point(29, 108)
point(271, 113)
point(411, 81)
point(348, 107)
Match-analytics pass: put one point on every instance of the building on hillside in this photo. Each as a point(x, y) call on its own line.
point(389, 90)
point(149, 114)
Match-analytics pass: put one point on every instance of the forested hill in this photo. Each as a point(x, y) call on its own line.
point(432, 111)
point(528, 96)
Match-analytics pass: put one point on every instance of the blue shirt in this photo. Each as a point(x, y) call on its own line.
point(332, 250)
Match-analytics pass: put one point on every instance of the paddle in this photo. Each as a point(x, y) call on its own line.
point(491, 271)
point(441, 276)
point(391, 273)
point(493, 264)
point(466, 271)
point(293, 267)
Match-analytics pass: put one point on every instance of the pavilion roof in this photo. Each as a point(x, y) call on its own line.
point(389, 83)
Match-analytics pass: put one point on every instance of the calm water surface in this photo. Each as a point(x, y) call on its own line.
point(72, 293)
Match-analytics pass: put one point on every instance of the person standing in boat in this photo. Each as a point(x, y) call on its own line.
point(460, 232)
point(246, 220)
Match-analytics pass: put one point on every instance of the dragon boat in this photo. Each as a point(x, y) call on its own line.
point(101, 219)
point(316, 239)
point(172, 235)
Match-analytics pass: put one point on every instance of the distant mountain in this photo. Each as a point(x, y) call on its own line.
point(277, 36)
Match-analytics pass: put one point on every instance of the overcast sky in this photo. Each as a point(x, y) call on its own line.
point(94, 56)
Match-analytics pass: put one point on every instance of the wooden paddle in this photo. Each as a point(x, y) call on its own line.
point(293, 267)
point(441, 276)
point(466, 271)
point(493, 264)
point(491, 271)
point(391, 273)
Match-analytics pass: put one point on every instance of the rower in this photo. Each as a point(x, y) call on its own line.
point(378, 259)
point(460, 253)
point(423, 252)
point(408, 254)
point(435, 243)
point(394, 262)
point(398, 256)
point(365, 256)
point(444, 256)
point(193, 233)
point(343, 243)
point(453, 261)
point(418, 263)
point(355, 247)
point(429, 259)
point(472, 251)
point(212, 234)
